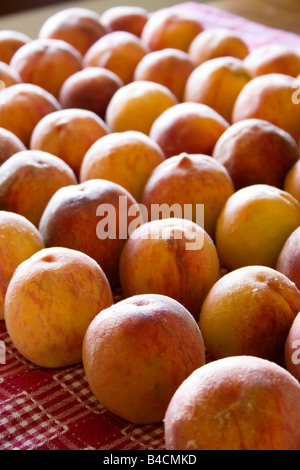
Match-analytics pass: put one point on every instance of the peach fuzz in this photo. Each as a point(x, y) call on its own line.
point(9, 144)
point(236, 403)
point(47, 326)
point(254, 224)
point(126, 158)
point(292, 349)
point(10, 42)
point(8, 75)
point(217, 83)
point(288, 261)
point(291, 182)
point(273, 58)
point(22, 106)
point(80, 27)
point(125, 18)
point(28, 180)
point(255, 151)
point(188, 127)
point(68, 134)
point(46, 63)
point(153, 343)
point(169, 67)
point(19, 240)
point(173, 257)
point(249, 311)
point(118, 51)
point(136, 106)
point(190, 179)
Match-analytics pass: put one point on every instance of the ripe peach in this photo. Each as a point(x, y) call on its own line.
point(9, 144)
point(271, 98)
point(125, 18)
point(127, 158)
point(190, 179)
point(92, 217)
point(254, 224)
point(137, 352)
point(68, 134)
point(135, 106)
point(8, 75)
point(28, 180)
point(291, 182)
point(170, 67)
point(78, 26)
point(10, 42)
point(47, 63)
point(91, 88)
point(273, 58)
point(22, 106)
point(292, 349)
point(118, 51)
point(236, 403)
point(217, 42)
point(48, 325)
point(168, 28)
point(217, 83)
point(255, 151)
point(188, 127)
point(173, 257)
point(289, 257)
point(19, 239)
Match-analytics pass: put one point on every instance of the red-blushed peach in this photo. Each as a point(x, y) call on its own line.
point(217, 83)
point(137, 352)
point(46, 63)
point(78, 26)
point(47, 325)
point(126, 158)
point(249, 311)
point(8, 75)
point(173, 257)
point(128, 18)
point(291, 182)
point(118, 51)
point(19, 240)
point(169, 28)
point(22, 106)
point(271, 98)
point(190, 180)
point(292, 349)
point(273, 58)
point(10, 42)
point(68, 134)
point(188, 127)
point(171, 67)
point(288, 261)
point(93, 217)
point(135, 106)
point(9, 144)
point(28, 180)
point(91, 88)
point(236, 403)
point(255, 151)
point(217, 42)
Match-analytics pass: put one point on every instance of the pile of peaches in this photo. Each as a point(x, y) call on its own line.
point(152, 109)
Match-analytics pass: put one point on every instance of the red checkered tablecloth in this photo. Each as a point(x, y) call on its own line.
point(55, 409)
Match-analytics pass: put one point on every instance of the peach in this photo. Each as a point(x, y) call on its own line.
point(217, 42)
point(47, 326)
point(22, 106)
point(125, 18)
point(188, 127)
point(289, 257)
point(118, 51)
point(168, 28)
point(137, 352)
point(291, 182)
point(68, 134)
point(271, 98)
point(136, 106)
point(9, 144)
point(10, 42)
point(91, 88)
point(255, 151)
point(249, 311)
point(19, 240)
point(173, 257)
point(28, 180)
point(292, 349)
point(217, 83)
point(126, 158)
point(78, 26)
point(236, 403)
point(93, 217)
point(170, 67)
point(273, 58)
point(47, 63)
point(8, 75)
point(254, 224)
point(190, 180)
